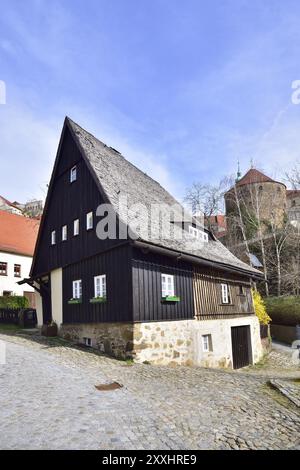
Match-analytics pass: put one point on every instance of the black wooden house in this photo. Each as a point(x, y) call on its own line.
point(152, 298)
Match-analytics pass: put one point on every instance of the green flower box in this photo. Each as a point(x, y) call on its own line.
point(171, 298)
point(74, 301)
point(97, 300)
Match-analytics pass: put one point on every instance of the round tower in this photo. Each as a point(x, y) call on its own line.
point(257, 198)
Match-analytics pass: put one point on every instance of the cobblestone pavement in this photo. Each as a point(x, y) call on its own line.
point(49, 401)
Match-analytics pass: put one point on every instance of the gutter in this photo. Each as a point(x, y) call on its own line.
point(194, 259)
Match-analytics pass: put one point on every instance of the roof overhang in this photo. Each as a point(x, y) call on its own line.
point(196, 259)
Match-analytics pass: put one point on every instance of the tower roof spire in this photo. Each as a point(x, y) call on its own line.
point(238, 174)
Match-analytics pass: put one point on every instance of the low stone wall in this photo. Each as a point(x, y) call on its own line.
point(169, 342)
point(114, 339)
point(286, 334)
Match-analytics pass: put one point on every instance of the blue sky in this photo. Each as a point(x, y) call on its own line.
point(182, 88)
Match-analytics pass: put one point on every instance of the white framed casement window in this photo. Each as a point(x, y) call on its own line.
point(204, 236)
point(73, 174)
point(193, 232)
point(167, 285)
point(76, 227)
point(64, 233)
point(88, 342)
point(53, 237)
point(206, 343)
point(100, 286)
point(199, 234)
point(77, 289)
point(89, 220)
point(225, 294)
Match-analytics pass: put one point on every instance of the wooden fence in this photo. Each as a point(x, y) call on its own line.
point(9, 315)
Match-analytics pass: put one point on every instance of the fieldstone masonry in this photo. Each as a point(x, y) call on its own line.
point(169, 342)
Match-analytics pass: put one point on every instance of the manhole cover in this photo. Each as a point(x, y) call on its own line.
point(107, 387)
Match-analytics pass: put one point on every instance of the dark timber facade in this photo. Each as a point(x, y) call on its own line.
point(133, 297)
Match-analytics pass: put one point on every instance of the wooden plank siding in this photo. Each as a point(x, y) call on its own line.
point(208, 296)
point(147, 294)
point(69, 201)
point(116, 264)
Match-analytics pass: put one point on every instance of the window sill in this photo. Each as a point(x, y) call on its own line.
point(98, 300)
point(170, 298)
point(74, 301)
point(3, 274)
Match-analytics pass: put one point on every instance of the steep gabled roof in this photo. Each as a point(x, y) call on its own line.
point(255, 176)
point(117, 176)
point(8, 203)
point(17, 233)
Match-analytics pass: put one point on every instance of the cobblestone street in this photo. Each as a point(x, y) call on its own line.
point(49, 401)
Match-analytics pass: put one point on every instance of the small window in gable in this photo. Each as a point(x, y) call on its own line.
point(225, 293)
point(89, 220)
point(100, 286)
point(77, 289)
point(53, 237)
point(73, 174)
point(64, 233)
point(76, 227)
point(167, 285)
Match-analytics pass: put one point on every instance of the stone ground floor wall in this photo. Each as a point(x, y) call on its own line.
point(170, 342)
point(115, 339)
point(180, 342)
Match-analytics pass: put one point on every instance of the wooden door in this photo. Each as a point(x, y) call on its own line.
point(241, 346)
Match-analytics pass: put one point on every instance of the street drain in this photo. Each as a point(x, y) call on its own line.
point(107, 387)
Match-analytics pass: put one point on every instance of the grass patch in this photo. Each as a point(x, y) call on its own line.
point(12, 328)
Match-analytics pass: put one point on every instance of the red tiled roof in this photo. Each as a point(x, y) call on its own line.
point(219, 220)
point(18, 233)
point(293, 192)
point(255, 176)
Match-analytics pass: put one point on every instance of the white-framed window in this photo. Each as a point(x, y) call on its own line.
point(76, 227)
point(53, 237)
point(206, 343)
point(88, 341)
point(77, 289)
point(100, 285)
point(64, 233)
point(73, 174)
point(199, 234)
point(167, 285)
point(89, 220)
point(225, 293)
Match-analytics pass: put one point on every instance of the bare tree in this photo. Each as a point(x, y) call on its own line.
point(293, 176)
point(206, 199)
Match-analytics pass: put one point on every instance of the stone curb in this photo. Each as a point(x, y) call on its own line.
point(290, 391)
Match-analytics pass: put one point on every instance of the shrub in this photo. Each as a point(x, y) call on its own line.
point(14, 301)
point(284, 310)
point(260, 308)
